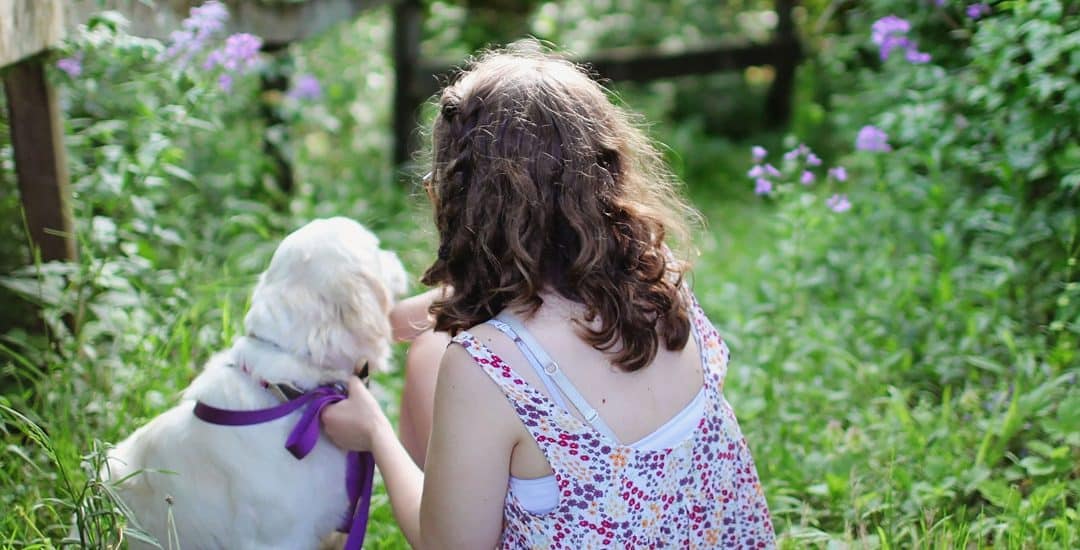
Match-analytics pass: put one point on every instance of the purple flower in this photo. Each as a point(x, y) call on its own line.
point(916, 57)
point(225, 81)
point(892, 43)
point(872, 138)
point(215, 58)
point(71, 65)
point(771, 170)
point(812, 160)
point(212, 14)
point(202, 23)
point(890, 34)
point(306, 87)
point(762, 186)
point(797, 152)
point(807, 177)
point(838, 203)
point(240, 53)
point(182, 45)
point(888, 26)
point(978, 11)
point(756, 172)
point(758, 153)
point(838, 173)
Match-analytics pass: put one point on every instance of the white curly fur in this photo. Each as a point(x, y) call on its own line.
point(318, 313)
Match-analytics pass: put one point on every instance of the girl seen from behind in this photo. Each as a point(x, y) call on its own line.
point(580, 402)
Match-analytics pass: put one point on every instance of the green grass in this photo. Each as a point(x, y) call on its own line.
point(890, 367)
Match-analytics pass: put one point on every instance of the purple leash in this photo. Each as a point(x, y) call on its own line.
point(359, 467)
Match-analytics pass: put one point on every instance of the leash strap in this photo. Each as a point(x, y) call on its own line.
point(226, 417)
point(359, 467)
point(359, 479)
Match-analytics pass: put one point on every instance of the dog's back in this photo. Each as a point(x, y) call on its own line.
point(228, 487)
point(318, 313)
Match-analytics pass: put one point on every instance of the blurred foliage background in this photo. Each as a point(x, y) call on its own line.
point(905, 371)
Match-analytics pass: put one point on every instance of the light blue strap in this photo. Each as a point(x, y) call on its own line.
point(549, 370)
point(509, 332)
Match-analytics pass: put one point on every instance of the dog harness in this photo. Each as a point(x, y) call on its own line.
point(359, 467)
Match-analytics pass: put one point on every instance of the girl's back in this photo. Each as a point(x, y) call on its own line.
point(633, 404)
point(697, 489)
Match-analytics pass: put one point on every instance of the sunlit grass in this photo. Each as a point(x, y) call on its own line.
point(888, 381)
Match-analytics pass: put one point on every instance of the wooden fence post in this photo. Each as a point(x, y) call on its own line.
point(778, 100)
point(40, 163)
point(407, 27)
point(274, 81)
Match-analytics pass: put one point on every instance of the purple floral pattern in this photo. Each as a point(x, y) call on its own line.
point(702, 493)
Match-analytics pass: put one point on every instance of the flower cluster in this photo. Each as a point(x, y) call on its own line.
point(195, 32)
point(761, 174)
point(974, 11)
point(890, 35)
point(306, 87)
point(802, 161)
point(239, 55)
point(873, 139)
point(838, 203)
point(71, 65)
point(978, 11)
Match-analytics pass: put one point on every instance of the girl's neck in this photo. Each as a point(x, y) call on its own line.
point(557, 307)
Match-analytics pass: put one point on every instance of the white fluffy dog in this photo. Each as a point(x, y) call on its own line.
point(318, 313)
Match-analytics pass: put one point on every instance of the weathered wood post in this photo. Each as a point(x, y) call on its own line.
point(778, 100)
point(273, 82)
point(28, 27)
point(407, 93)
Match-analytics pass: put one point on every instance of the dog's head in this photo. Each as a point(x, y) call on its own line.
point(326, 297)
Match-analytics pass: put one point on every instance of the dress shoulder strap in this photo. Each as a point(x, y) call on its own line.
point(534, 362)
point(549, 372)
point(521, 395)
point(547, 422)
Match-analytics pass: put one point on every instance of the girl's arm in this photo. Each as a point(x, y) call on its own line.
point(473, 435)
point(410, 316)
point(459, 503)
point(404, 480)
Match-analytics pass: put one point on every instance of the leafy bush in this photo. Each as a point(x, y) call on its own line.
point(177, 208)
point(931, 333)
point(904, 370)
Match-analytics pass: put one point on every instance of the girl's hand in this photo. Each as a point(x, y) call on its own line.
point(353, 423)
point(409, 317)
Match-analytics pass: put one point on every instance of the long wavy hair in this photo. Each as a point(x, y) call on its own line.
point(540, 183)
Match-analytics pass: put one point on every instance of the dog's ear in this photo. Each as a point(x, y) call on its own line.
point(358, 329)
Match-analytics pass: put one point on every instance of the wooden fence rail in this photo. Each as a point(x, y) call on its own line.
point(29, 27)
point(417, 80)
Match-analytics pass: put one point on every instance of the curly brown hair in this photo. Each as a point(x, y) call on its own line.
point(541, 183)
